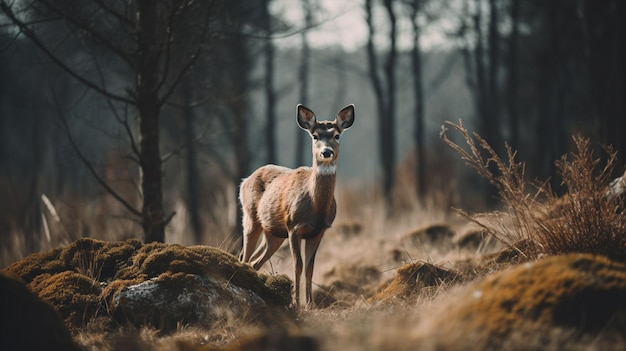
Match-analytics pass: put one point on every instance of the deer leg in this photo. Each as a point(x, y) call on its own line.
point(251, 234)
point(294, 245)
point(259, 250)
point(310, 249)
point(264, 252)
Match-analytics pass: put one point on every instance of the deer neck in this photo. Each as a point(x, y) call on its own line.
point(322, 183)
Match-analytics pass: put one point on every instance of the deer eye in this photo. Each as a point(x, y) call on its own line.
point(315, 137)
point(336, 136)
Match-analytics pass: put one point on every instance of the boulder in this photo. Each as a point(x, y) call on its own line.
point(172, 299)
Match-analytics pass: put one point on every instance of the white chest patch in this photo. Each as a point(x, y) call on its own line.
point(326, 169)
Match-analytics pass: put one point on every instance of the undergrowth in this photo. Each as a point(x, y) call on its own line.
point(589, 218)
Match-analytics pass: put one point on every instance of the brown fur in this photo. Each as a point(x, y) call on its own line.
point(297, 204)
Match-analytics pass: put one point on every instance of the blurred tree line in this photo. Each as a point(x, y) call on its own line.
point(129, 95)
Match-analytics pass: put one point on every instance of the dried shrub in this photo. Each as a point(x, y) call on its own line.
point(587, 219)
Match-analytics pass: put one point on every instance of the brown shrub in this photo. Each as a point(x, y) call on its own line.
point(588, 219)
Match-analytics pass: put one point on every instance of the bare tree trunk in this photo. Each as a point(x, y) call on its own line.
point(303, 78)
point(387, 122)
point(418, 136)
point(270, 98)
point(482, 66)
point(479, 53)
point(513, 76)
point(242, 160)
point(148, 104)
point(494, 67)
point(194, 188)
point(385, 98)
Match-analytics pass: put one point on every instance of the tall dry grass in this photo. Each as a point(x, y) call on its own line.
point(537, 221)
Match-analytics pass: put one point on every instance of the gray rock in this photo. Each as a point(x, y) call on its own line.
point(169, 300)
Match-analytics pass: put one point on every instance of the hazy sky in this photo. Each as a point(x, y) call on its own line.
point(342, 23)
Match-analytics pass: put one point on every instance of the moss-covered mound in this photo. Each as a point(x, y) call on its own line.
point(84, 280)
point(582, 294)
point(411, 278)
point(27, 322)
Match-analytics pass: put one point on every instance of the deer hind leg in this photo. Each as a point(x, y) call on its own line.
point(265, 251)
point(251, 234)
point(310, 249)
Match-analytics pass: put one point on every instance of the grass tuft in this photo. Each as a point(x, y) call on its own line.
point(589, 218)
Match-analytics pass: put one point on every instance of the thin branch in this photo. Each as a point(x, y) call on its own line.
point(83, 25)
point(33, 37)
point(121, 18)
point(90, 167)
point(122, 121)
point(181, 74)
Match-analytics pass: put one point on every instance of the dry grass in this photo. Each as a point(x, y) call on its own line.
point(388, 280)
point(586, 219)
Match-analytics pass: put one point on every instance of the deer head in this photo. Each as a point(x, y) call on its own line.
point(325, 135)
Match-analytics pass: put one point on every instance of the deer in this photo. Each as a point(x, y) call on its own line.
point(295, 204)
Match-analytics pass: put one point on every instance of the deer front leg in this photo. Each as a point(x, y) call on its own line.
point(294, 245)
point(310, 249)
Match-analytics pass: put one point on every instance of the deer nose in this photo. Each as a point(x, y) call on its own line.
point(327, 153)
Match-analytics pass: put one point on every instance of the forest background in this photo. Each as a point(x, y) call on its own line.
point(139, 119)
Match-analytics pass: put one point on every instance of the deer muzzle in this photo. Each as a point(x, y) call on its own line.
point(327, 153)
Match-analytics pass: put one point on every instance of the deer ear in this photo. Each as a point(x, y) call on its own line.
point(345, 117)
point(305, 117)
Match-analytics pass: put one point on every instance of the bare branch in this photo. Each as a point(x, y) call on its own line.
point(181, 74)
point(121, 18)
point(35, 39)
point(122, 121)
point(84, 25)
point(90, 167)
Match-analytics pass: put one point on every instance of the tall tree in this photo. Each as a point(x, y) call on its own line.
point(481, 53)
point(385, 93)
point(142, 36)
point(418, 91)
point(303, 79)
point(513, 75)
point(270, 95)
